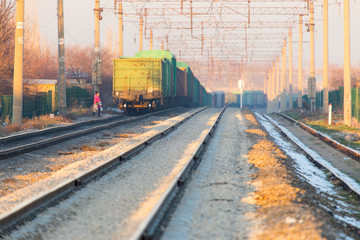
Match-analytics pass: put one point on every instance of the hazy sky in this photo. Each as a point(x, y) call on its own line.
point(79, 27)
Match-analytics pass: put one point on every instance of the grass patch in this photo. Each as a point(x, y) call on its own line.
point(79, 113)
point(103, 144)
point(87, 148)
point(337, 130)
point(39, 122)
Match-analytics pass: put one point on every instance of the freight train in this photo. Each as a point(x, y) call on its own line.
point(153, 80)
point(251, 99)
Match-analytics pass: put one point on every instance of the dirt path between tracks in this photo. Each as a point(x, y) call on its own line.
point(288, 206)
point(279, 214)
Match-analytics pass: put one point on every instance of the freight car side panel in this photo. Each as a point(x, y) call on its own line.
point(181, 84)
point(133, 77)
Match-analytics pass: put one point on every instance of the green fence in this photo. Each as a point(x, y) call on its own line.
point(42, 104)
point(336, 98)
point(78, 97)
point(32, 106)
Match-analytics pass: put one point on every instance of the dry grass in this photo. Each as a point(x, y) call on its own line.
point(40, 122)
point(87, 148)
point(79, 113)
point(279, 214)
point(55, 168)
point(9, 185)
point(103, 144)
point(249, 117)
point(126, 135)
point(256, 131)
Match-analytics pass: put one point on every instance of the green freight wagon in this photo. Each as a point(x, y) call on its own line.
point(189, 83)
point(146, 81)
point(210, 98)
point(203, 96)
point(196, 92)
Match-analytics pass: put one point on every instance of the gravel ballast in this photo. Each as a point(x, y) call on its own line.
point(27, 169)
point(212, 206)
point(113, 206)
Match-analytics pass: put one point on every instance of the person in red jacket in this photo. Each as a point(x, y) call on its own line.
point(97, 104)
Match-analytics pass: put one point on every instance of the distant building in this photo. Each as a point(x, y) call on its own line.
point(36, 86)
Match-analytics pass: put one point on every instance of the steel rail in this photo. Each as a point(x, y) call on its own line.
point(151, 226)
point(344, 180)
point(30, 208)
point(22, 136)
point(15, 151)
point(344, 149)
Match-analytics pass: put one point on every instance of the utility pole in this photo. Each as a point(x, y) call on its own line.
point(61, 59)
point(97, 64)
point(121, 31)
point(326, 59)
point(277, 84)
point(273, 88)
point(141, 34)
point(283, 79)
point(312, 79)
point(249, 12)
point(18, 64)
point(268, 93)
point(347, 76)
point(290, 72)
point(202, 38)
point(212, 66)
point(300, 80)
point(167, 42)
point(191, 17)
point(151, 40)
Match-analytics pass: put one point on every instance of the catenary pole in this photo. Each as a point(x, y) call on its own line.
point(347, 77)
point(96, 76)
point(273, 94)
point(290, 72)
point(61, 59)
point(151, 40)
point(121, 31)
point(283, 79)
point(312, 79)
point(277, 84)
point(326, 59)
point(18, 64)
point(300, 80)
point(141, 34)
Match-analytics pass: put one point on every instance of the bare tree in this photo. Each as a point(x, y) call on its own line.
point(40, 57)
point(336, 77)
point(78, 62)
point(7, 35)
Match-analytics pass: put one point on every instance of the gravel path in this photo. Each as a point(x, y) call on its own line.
point(212, 206)
point(27, 169)
point(113, 206)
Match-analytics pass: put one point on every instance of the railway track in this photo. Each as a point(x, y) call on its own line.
point(30, 208)
point(152, 226)
point(23, 143)
point(347, 181)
